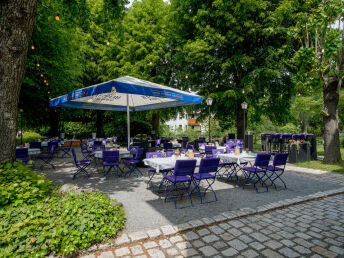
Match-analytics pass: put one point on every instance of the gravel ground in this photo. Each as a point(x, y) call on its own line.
point(145, 208)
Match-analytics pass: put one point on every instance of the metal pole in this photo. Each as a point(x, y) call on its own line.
point(128, 121)
point(21, 128)
point(244, 125)
point(209, 125)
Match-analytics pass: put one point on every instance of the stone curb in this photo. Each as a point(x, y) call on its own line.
point(169, 230)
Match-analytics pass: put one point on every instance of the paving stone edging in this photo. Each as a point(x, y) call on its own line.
point(169, 230)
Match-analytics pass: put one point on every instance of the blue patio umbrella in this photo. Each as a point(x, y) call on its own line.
point(126, 94)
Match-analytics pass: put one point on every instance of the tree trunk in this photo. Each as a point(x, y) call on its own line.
point(240, 122)
point(16, 25)
point(54, 123)
point(331, 131)
point(100, 123)
point(155, 123)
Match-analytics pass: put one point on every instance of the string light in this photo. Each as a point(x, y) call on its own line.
point(47, 84)
point(299, 94)
point(243, 91)
point(281, 95)
point(264, 95)
point(41, 74)
point(186, 76)
point(217, 86)
point(48, 92)
point(150, 63)
point(38, 64)
point(108, 43)
point(45, 81)
point(57, 17)
point(32, 47)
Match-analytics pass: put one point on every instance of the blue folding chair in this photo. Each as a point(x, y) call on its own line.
point(84, 150)
point(257, 172)
point(23, 155)
point(209, 151)
point(169, 153)
point(111, 160)
point(183, 172)
point(35, 145)
point(275, 171)
point(66, 149)
point(47, 159)
point(207, 172)
point(131, 164)
point(168, 146)
point(81, 165)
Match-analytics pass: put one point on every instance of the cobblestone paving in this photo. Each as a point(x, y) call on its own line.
point(311, 229)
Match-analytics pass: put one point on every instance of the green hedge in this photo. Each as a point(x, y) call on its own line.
point(58, 225)
point(29, 137)
point(20, 184)
point(37, 220)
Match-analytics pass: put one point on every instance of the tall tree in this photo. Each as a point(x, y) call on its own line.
point(230, 51)
point(319, 62)
point(16, 26)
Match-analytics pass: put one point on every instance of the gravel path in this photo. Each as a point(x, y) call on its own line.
point(145, 209)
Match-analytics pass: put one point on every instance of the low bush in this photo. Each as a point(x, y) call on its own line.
point(59, 225)
point(20, 184)
point(29, 137)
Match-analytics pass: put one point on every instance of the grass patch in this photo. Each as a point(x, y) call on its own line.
point(317, 164)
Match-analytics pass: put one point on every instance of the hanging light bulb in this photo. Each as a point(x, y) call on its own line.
point(243, 91)
point(281, 95)
point(299, 94)
point(150, 63)
point(48, 92)
point(41, 74)
point(45, 81)
point(38, 64)
point(32, 47)
point(108, 43)
point(186, 76)
point(47, 84)
point(264, 95)
point(57, 17)
point(217, 86)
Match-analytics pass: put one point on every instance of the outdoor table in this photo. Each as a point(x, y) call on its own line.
point(122, 154)
point(242, 158)
point(202, 148)
point(176, 145)
point(34, 152)
point(165, 163)
point(45, 144)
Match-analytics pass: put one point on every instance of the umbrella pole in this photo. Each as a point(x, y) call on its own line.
point(128, 121)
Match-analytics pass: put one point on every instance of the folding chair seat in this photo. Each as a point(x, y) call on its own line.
point(66, 149)
point(131, 164)
point(111, 160)
point(207, 167)
point(47, 159)
point(183, 172)
point(276, 171)
point(22, 154)
point(256, 174)
point(81, 165)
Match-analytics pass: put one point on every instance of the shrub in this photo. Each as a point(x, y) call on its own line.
point(59, 225)
point(29, 137)
point(19, 184)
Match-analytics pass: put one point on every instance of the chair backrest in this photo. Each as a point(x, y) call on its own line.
point(280, 159)
point(185, 139)
point(262, 160)
point(230, 141)
point(52, 149)
point(35, 145)
point(156, 154)
point(139, 154)
point(209, 165)
point(98, 148)
point(185, 167)
point(216, 152)
point(201, 139)
point(53, 143)
point(83, 146)
point(111, 156)
point(98, 143)
point(133, 149)
point(158, 142)
point(190, 146)
point(169, 153)
point(22, 153)
point(114, 140)
point(74, 156)
point(230, 149)
point(168, 145)
point(209, 149)
point(200, 144)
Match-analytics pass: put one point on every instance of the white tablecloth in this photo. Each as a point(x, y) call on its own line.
point(122, 154)
point(165, 163)
point(243, 157)
point(45, 144)
point(176, 145)
point(202, 148)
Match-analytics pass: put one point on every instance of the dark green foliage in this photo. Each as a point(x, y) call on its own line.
point(20, 185)
point(29, 137)
point(58, 225)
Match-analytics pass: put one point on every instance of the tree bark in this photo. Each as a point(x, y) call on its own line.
point(16, 25)
point(155, 122)
point(100, 123)
point(240, 122)
point(331, 131)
